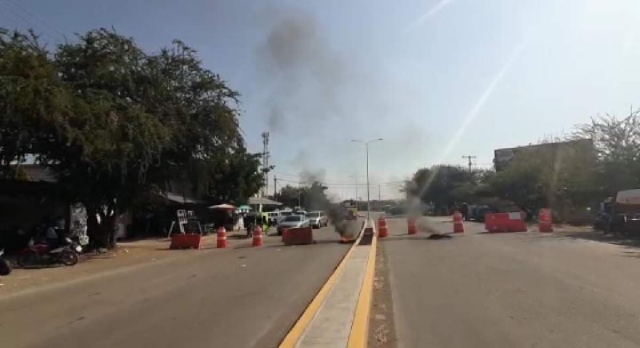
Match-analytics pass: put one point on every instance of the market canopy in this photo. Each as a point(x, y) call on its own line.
point(181, 199)
point(244, 208)
point(263, 201)
point(223, 207)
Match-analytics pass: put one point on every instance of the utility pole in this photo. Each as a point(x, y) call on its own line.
point(379, 195)
point(368, 200)
point(356, 192)
point(275, 186)
point(366, 145)
point(265, 163)
point(470, 158)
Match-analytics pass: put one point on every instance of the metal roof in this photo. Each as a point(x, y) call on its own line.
point(263, 201)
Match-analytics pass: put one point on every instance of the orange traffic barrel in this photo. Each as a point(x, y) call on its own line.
point(221, 237)
point(382, 227)
point(545, 220)
point(411, 226)
point(257, 237)
point(458, 224)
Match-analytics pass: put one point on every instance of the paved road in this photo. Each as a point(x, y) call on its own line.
point(244, 297)
point(512, 290)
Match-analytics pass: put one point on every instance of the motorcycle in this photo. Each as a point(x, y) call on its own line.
point(5, 267)
point(41, 253)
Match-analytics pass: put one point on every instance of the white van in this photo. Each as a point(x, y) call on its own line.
point(274, 217)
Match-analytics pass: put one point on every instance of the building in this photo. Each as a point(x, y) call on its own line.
point(502, 157)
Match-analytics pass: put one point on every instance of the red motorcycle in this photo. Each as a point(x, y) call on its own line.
point(41, 253)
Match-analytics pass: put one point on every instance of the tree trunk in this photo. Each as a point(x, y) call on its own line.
point(101, 234)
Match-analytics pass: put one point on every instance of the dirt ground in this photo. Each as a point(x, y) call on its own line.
point(127, 254)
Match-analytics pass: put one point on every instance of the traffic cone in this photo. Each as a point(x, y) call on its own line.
point(411, 224)
point(257, 237)
point(458, 224)
point(221, 237)
point(382, 227)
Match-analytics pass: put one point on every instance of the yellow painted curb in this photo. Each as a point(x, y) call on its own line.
point(292, 338)
point(360, 328)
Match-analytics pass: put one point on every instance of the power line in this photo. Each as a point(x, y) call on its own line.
point(470, 158)
point(13, 21)
point(28, 22)
point(37, 18)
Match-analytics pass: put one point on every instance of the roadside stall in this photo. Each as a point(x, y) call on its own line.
point(224, 215)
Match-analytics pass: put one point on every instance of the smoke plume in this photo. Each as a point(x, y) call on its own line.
point(305, 72)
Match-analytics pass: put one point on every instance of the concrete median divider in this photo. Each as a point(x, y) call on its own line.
point(360, 328)
point(297, 236)
point(351, 235)
point(302, 333)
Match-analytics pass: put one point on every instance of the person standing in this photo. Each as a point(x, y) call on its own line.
point(52, 237)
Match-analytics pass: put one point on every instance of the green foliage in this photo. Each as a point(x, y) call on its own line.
point(443, 185)
point(289, 196)
point(231, 181)
point(124, 123)
point(34, 103)
point(564, 177)
point(312, 197)
point(617, 146)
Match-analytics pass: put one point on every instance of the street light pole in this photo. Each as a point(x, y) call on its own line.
point(368, 198)
point(366, 144)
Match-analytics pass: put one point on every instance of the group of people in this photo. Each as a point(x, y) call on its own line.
point(251, 220)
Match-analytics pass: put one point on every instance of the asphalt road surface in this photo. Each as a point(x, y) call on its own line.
point(512, 290)
point(243, 297)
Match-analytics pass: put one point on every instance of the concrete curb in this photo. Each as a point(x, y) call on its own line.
point(298, 329)
point(360, 328)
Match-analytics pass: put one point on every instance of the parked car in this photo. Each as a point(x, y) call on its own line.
point(602, 221)
point(292, 221)
point(478, 212)
point(624, 219)
point(274, 218)
point(317, 219)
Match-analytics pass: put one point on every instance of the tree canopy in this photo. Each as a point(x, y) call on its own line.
point(567, 174)
point(123, 122)
point(310, 197)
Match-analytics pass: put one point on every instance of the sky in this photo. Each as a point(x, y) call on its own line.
point(436, 79)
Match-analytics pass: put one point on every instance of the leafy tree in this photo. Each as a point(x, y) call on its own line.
point(289, 196)
point(556, 175)
point(117, 124)
point(617, 146)
point(34, 103)
point(112, 142)
point(232, 181)
point(312, 197)
point(442, 185)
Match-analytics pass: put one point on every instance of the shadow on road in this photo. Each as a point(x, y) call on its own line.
point(597, 236)
point(421, 236)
